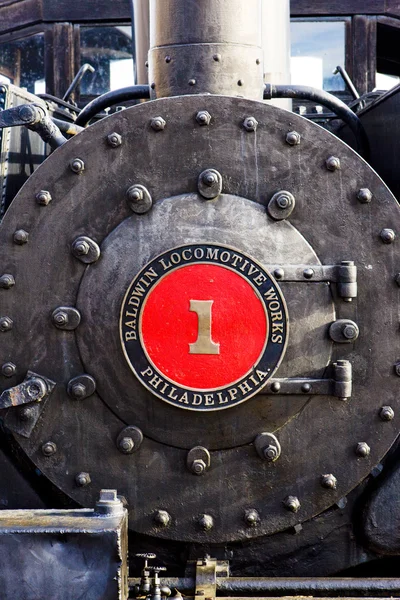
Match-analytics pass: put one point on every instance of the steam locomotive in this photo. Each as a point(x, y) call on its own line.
point(199, 309)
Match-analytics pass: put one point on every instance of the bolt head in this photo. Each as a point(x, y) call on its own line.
point(251, 517)
point(362, 449)
point(386, 413)
point(279, 273)
point(203, 117)
point(387, 236)
point(292, 503)
point(332, 163)
point(275, 387)
point(80, 248)
point(34, 391)
point(198, 466)
point(49, 448)
point(7, 281)
point(158, 124)
point(126, 445)
point(8, 369)
point(308, 273)
point(114, 140)
point(250, 124)
point(60, 318)
point(162, 518)
point(82, 479)
point(77, 165)
point(209, 178)
point(43, 197)
point(364, 195)
point(26, 113)
point(6, 324)
point(271, 453)
point(306, 388)
point(21, 237)
point(192, 82)
point(206, 522)
point(78, 391)
point(349, 332)
point(135, 194)
point(293, 138)
point(282, 201)
point(329, 481)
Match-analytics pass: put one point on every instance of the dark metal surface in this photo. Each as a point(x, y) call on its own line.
point(135, 92)
point(329, 225)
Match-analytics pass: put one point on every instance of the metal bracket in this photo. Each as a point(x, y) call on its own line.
point(34, 117)
point(206, 578)
point(339, 386)
point(344, 275)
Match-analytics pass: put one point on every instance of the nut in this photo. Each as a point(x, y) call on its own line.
point(293, 138)
point(126, 445)
point(329, 481)
point(386, 413)
point(364, 195)
point(209, 178)
point(158, 124)
point(7, 281)
point(134, 194)
point(271, 453)
point(6, 324)
point(362, 449)
point(60, 318)
point(49, 448)
point(80, 248)
point(387, 236)
point(292, 503)
point(82, 479)
point(8, 369)
point(162, 518)
point(203, 117)
point(250, 123)
point(78, 391)
point(21, 237)
point(350, 332)
point(77, 165)
point(206, 522)
point(43, 197)
point(251, 517)
point(114, 140)
point(332, 163)
point(198, 466)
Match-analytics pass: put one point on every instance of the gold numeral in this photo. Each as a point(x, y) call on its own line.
point(204, 343)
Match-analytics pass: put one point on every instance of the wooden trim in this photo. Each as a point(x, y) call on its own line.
point(344, 7)
point(59, 58)
point(86, 10)
point(363, 52)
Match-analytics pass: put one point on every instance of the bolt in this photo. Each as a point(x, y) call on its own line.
point(60, 318)
point(49, 448)
point(80, 248)
point(6, 324)
point(135, 194)
point(82, 479)
point(282, 201)
point(293, 138)
point(27, 113)
point(364, 195)
point(275, 387)
point(203, 117)
point(109, 503)
point(21, 237)
point(306, 388)
point(114, 140)
point(162, 518)
point(250, 124)
point(158, 124)
point(271, 453)
point(292, 503)
point(386, 413)
point(6, 281)
point(362, 449)
point(209, 178)
point(329, 481)
point(251, 517)
point(397, 369)
point(332, 163)
point(387, 236)
point(308, 273)
point(126, 445)
point(198, 466)
point(34, 391)
point(192, 82)
point(77, 165)
point(8, 369)
point(78, 391)
point(206, 522)
point(279, 273)
point(349, 332)
point(43, 197)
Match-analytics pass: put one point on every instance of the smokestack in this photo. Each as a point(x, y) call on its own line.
point(206, 47)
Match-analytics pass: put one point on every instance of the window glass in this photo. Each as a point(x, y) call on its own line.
point(387, 56)
point(317, 48)
point(109, 51)
point(22, 62)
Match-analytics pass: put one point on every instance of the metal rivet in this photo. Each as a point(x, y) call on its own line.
point(364, 195)
point(206, 522)
point(258, 61)
point(292, 503)
point(7, 281)
point(362, 449)
point(251, 517)
point(386, 413)
point(279, 273)
point(114, 140)
point(293, 138)
point(217, 57)
point(332, 163)
point(162, 518)
point(6, 324)
point(49, 448)
point(8, 369)
point(192, 82)
point(387, 236)
point(250, 124)
point(43, 197)
point(308, 273)
point(306, 388)
point(126, 445)
point(397, 279)
point(329, 481)
point(203, 117)
point(157, 123)
point(397, 369)
point(139, 199)
point(77, 165)
point(240, 82)
point(21, 237)
point(275, 387)
point(167, 59)
point(146, 64)
point(153, 85)
point(82, 479)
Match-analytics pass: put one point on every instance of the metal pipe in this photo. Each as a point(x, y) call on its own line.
point(66, 127)
point(296, 586)
point(341, 109)
point(141, 20)
point(346, 78)
point(276, 46)
point(134, 92)
point(207, 47)
point(77, 80)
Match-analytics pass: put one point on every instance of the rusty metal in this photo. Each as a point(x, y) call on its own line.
point(35, 117)
point(34, 388)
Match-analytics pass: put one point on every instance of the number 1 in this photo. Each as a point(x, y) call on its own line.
point(204, 343)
